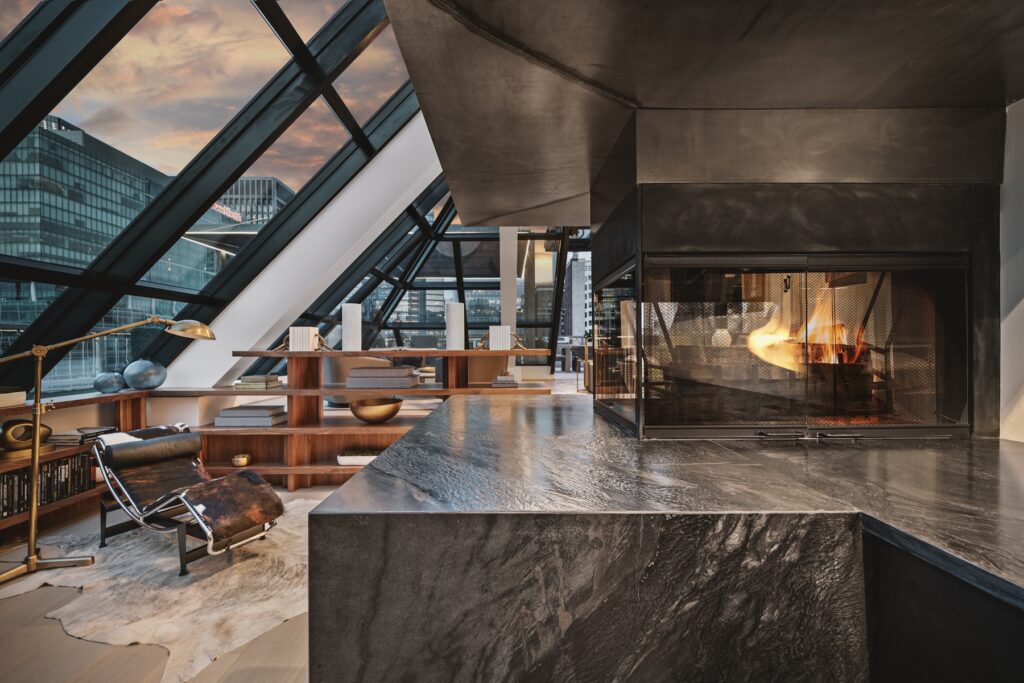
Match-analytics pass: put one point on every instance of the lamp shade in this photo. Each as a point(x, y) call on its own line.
point(192, 329)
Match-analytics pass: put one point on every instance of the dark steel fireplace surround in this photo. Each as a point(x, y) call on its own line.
point(795, 310)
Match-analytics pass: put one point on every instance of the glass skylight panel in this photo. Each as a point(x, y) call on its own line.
point(77, 370)
point(11, 14)
point(87, 170)
point(252, 201)
point(373, 77)
point(20, 304)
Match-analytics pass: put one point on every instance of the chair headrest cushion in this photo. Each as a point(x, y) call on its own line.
point(150, 451)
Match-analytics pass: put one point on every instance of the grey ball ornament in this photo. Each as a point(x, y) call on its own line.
point(145, 374)
point(109, 382)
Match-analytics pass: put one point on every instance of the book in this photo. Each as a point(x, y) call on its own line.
point(58, 479)
point(252, 411)
point(80, 436)
point(396, 371)
point(271, 384)
point(382, 382)
point(259, 378)
point(269, 421)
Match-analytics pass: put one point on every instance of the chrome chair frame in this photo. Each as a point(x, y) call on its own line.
point(171, 513)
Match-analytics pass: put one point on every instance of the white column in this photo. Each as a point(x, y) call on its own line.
point(508, 250)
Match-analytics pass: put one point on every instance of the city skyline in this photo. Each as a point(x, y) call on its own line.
point(187, 67)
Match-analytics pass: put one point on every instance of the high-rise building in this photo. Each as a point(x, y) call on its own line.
point(577, 309)
point(256, 199)
point(65, 196)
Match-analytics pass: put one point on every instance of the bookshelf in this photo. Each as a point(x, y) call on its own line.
point(302, 452)
point(131, 414)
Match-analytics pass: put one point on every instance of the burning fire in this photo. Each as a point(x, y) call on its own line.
point(821, 340)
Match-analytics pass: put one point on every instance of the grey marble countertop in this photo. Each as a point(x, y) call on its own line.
point(957, 503)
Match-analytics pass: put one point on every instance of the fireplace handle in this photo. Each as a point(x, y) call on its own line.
point(781, 435)
point(839, 435)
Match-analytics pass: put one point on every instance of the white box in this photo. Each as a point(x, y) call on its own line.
point(351, 327)
point(455, 326)
point(302, 338)
point(499, 338)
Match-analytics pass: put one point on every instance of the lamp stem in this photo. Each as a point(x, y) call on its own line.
point(32, 561)
point(32, 551)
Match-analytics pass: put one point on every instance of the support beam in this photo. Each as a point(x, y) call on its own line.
point(50, 51)
point(329, 244)
point(290, 221)
point(556, 308)
point(184, 200)
point(461, 285)
point(286, 33)
point(394, 297)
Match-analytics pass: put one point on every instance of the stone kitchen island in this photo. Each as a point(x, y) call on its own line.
point(527, 539)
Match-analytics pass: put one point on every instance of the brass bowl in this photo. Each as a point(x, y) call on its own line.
point(375, 410)
point(240, 460)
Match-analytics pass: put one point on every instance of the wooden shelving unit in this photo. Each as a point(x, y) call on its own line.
point(428, 390)
point(63, 503)
point(298, 456)
point(131, 414)
point(303, 452)
point(56, 454)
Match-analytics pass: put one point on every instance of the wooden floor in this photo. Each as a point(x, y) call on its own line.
point(36, 649)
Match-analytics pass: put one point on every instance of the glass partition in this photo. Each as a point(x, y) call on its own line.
point(616, 346)
point(760, 348)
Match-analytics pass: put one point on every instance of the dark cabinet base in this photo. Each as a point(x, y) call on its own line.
point(927, 624)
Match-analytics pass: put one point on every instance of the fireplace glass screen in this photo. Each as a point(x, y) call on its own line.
point(615, 347)
point(755, 348)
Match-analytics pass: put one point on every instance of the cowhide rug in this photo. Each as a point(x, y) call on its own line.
point(133, 594)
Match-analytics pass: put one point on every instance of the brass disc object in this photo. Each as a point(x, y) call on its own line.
point(375, 410)
point(16, 435)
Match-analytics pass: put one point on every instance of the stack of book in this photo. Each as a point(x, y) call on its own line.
point(259, 382)
point(58, 479)
point(398, 377)
point(505, 381)
point(79, 437)
point(251, 416)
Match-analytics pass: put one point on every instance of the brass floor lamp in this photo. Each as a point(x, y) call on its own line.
point(32, 562)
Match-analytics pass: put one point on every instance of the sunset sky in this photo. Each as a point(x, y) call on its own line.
point(166, 89)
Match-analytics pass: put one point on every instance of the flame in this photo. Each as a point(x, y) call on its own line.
point(774, 344)
point(822, 339)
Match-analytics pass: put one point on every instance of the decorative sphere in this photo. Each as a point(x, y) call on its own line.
point(109, 382)
point(145, 374)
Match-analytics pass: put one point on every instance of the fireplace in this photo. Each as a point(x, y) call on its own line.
point(786, 346)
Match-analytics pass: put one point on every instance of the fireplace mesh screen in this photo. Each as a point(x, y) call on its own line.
point(761, 348)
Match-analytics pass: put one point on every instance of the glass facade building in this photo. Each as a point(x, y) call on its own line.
point(65, 195)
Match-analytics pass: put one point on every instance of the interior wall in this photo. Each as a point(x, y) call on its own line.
point(299, 274)
point(1012, 278)
point(857, 180)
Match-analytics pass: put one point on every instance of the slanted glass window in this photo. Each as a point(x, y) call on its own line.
point(252, 201)
point(483, 306)
point(375, 300)
point(78, 369)
point(20, 304)
point(423, 307)
point(11, 14)
point(86, 171)
point(373, 77)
